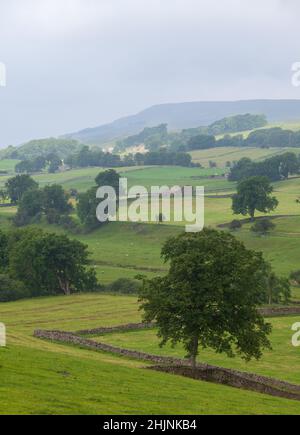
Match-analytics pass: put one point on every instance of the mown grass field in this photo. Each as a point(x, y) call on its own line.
point(38, 377)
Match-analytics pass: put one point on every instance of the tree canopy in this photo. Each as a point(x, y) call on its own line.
point(253, 194)
point(48, 263)
point(275, 168)
point(52, 200)
point(210, 295)
point(18, 185)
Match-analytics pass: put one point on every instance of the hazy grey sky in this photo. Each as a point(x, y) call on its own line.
point(72, 64)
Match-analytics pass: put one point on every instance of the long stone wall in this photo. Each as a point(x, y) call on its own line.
point(238, 380)
point(206, 372)
point(119, 328)
point(68, 337)
point(267, 312)
point(279, 311)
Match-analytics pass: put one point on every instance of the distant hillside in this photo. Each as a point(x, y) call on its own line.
point(62, 147)
point(180, 116)
point(155, 137)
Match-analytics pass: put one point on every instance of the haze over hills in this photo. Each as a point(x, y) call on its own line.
point(188, 115)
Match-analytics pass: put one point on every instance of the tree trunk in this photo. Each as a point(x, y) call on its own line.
point(65, 286)
point(194, 352)
point(252, 213)
point(270, 297)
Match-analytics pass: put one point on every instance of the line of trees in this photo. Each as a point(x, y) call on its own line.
point(92, 157)
point(52, 162)
point(275, 168)
point(263, 138)
point(87, 157)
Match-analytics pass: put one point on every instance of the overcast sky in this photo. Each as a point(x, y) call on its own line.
point(73, 64)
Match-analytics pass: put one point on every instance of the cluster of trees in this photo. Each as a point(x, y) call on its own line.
point(86, 157)
point(273, 137)
point(51, 201)
point(92, 157)
point(38, 164)
point(201, 142)
point(209, 297)
point(152, 137)
point(275, 168)
point(33, 202)
point(87, 202)
point(164, 157)
point(264, 138)
point(37, 263)
point(233, 124)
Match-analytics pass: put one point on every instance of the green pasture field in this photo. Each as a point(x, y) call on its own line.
point(8, 165)
point(127, 249)
point(39, 377)
point(80, 179)
point(222, 155)
point(83, 179)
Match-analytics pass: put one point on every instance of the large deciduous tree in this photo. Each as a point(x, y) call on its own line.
point(254, 194)
point(210, 295)
point(88, 202)
point(56, 201)
point(49, 263)
point(108, 178)
point(86, 208)
point(18, 185)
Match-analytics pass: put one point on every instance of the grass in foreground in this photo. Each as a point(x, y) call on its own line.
point(39, 377)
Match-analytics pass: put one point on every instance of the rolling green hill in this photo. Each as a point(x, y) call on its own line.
point(60, 379)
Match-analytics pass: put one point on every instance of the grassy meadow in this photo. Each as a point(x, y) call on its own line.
point(59, 379)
